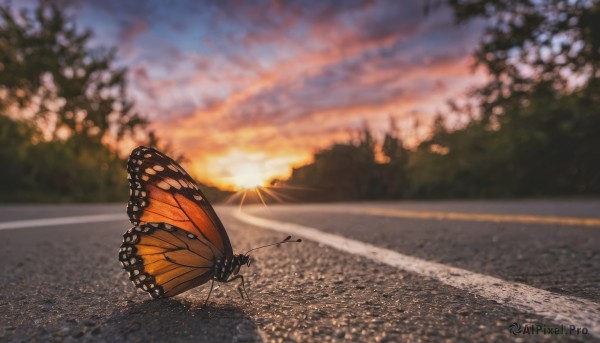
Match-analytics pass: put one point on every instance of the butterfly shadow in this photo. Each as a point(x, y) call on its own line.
point(179, 319)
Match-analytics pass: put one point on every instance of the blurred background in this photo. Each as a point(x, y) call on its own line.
point(308, 101)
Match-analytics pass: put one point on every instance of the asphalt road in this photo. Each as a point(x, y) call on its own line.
point(63, 282)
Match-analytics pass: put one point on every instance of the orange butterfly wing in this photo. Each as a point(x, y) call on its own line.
point(161, 191)
point(164, 260)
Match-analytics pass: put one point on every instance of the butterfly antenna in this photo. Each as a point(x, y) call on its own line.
point(286, 240)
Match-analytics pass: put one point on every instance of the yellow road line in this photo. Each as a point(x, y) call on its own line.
point(480, 217)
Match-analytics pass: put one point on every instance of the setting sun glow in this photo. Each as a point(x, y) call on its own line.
point(248, 176)
point(241, 170)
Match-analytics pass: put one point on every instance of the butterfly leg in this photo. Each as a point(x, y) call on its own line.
point(209, 292)
point(241, 287)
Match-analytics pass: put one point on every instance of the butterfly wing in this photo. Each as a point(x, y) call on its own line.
point(164, 260)
point(162, 191)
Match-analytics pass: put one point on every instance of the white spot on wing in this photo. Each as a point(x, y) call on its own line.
point(197, 197)
point(173, 183)
point(163, 185)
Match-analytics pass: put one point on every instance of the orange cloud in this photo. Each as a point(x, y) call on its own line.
point(238, 87)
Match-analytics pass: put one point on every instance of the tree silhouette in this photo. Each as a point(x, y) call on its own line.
point(72, 91)
point(63, 111)
point(541, 106)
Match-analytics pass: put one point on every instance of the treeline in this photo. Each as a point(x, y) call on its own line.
point(549, 148)
point(532, 130)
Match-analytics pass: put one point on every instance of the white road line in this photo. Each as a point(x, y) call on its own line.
point(94, 218)
point(559, 309)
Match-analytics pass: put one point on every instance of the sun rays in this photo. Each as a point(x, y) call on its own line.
point(266, 195)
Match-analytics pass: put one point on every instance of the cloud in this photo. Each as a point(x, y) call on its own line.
point(130, 30)
point(283, 77)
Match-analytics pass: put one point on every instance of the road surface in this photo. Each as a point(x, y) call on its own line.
point(404, 271)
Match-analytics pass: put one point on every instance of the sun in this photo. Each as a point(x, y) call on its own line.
point(241, 170)
point(247, 176)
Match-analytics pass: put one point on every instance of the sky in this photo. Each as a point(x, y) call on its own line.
point(248, 89)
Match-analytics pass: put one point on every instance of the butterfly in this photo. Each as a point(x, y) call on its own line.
point(178, 242)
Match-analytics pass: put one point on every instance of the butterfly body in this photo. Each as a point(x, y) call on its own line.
point(224, 269)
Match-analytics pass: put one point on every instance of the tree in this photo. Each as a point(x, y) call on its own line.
point(530, 44)
point(70, 90)
point(540, 111)
point(395, 178)
point(344, 171)
point(63, 110)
